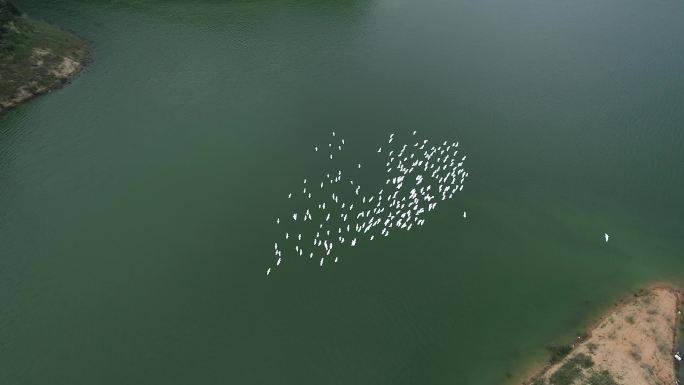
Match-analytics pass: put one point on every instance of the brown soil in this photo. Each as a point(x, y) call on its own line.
point(634, 343)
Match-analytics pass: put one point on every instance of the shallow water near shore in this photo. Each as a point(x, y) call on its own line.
point(137, 203)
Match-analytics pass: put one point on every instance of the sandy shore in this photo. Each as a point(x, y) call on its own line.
point(632, 345)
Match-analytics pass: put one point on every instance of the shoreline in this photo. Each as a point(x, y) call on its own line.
point(24, 97)
point(536, 372)
point(59, 83)
point(36, 57)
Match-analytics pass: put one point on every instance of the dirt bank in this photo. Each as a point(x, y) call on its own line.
point(632, 345)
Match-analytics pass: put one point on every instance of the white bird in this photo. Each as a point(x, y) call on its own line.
point(268, 271)
point(397, 209)
point(289, 195)
point(606, 236)
point(316, 148)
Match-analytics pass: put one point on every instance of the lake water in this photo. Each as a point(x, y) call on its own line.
point(137, 204)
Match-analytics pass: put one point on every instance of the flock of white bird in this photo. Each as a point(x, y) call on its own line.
point(419, 176)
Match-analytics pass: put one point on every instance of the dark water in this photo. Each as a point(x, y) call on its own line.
point(137, 204)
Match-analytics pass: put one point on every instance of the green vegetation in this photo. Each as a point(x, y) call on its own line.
point(8, 12)
point(572, 376)
point(601, 378)
point(34, 56)
point(571, 370)
point(558, 352)
point(566, 375)
point(582, 360)
point(578, 371)
point(591, 347)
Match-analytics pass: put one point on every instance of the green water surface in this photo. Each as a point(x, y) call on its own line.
point(137, 203)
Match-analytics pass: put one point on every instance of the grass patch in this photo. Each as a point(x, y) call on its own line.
point(592, 347)
point(601, 378)
point(581, 360)
point(558, 352)
point(566, 375)
point(572, 370)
